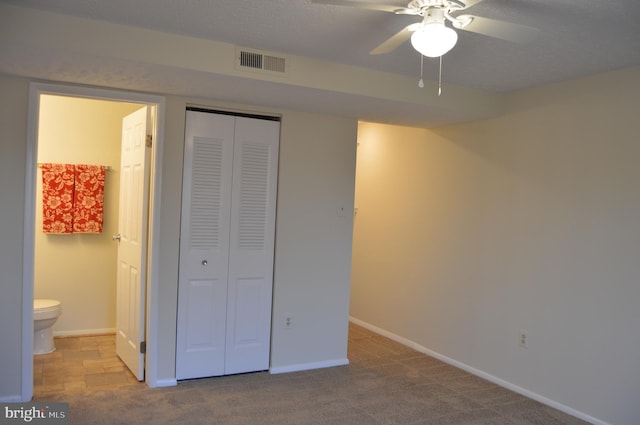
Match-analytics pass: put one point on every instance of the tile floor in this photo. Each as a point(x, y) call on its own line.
point(80, 364)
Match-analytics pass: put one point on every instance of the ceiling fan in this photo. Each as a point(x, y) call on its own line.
point(432, 37)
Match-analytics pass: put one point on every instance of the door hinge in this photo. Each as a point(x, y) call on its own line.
point(143, 347)
point(149, 140)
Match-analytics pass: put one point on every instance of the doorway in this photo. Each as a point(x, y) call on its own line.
point(79, 269)
point(156, 103)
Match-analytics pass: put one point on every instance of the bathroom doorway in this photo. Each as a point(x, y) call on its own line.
point(79, 270)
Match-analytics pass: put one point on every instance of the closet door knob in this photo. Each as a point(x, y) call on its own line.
point(205, 262)
point(116, 237)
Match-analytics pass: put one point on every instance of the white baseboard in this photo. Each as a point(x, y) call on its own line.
point(308, 366)
point(12, 399)
point(163, 383)
point(85, 332)
point(534, 396)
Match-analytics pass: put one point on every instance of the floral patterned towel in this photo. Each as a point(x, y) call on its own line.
point(72, 198)
point(57, 198)
point(88, 200)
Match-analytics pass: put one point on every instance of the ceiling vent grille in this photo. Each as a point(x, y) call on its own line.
point(252, 60)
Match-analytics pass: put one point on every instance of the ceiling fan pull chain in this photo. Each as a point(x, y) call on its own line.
point(440, 78)
point(421, 81)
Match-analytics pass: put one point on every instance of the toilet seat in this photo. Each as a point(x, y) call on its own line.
point(40, 304)
point(45, 309)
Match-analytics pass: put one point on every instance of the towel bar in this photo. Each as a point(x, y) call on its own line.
point(106, 167)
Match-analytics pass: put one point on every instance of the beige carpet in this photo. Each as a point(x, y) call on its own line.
point(385, 383)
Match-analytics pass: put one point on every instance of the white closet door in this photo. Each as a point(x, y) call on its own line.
point(204, 252)
point(253, 211)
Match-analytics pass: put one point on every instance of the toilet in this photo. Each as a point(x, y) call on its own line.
point(45, 314)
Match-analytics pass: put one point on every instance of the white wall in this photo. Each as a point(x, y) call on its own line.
point(313, 244)
point(80, 269)
point(468, 234)
point(46, 45)
point(312, 266)
point(313, 240)
point(13, 121)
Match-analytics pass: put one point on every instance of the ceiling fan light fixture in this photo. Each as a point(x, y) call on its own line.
point(434, 39)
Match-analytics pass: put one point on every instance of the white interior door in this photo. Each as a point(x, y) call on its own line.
point(132, 239)
point(252, 245)
point(226, 245)
point(204, 241)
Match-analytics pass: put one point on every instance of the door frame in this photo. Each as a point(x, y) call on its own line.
point(153, 243)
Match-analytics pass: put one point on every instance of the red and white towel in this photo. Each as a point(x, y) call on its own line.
point(72, 198)
point(88, 199)
point(57, 198)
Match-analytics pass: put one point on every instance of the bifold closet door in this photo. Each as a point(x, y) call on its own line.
point(204, 245)
point(226, 245)
point(251, 250)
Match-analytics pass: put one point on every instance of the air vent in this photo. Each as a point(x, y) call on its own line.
point(252, 60)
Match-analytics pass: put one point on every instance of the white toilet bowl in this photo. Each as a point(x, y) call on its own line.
point(45, 314)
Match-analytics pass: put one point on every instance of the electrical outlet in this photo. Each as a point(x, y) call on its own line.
point(287, 323)
point(523, 340)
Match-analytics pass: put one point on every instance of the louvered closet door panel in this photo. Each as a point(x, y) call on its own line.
point(251, 245)
point(204, 255)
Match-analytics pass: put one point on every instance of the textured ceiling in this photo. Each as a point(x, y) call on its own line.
point(578, 37)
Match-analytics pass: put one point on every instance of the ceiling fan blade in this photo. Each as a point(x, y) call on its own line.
point(498, 29)
point(395, 40)
point(361, 5)
point(470, 3)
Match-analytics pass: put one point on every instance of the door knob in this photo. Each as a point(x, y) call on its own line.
point(116, 237)
point(205, 262)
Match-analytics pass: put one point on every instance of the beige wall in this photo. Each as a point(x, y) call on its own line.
point(79, 270)
point(467, 235)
